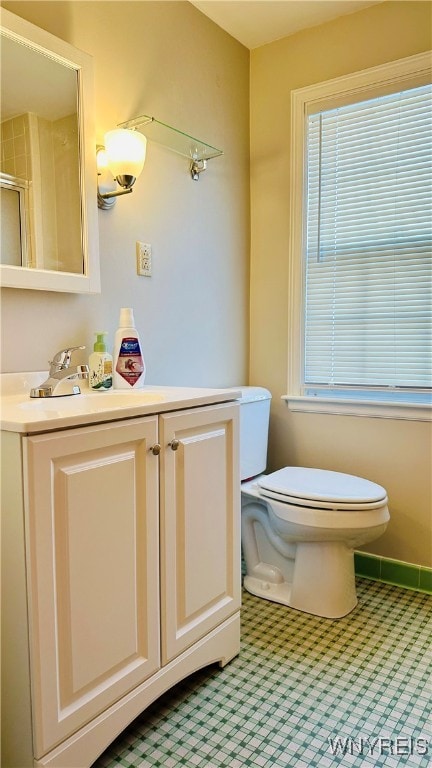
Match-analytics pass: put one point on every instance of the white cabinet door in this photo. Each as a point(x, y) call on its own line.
point(92, 559)
point(200, 524)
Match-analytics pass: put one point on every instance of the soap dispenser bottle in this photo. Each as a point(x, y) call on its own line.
point(100, 364)
point(129, 366)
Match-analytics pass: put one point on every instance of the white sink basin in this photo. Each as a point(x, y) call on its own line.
point(21, 413)
point(93, 401)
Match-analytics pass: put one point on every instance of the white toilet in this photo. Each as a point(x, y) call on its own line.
point(300, 526)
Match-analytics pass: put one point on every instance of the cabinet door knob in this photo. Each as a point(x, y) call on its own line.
point(155, 449)
point(174, 444)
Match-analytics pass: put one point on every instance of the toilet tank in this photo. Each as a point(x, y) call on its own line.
point(254, 424)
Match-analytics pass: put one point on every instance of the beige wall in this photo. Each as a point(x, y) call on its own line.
point(168, 60)
point(67, 191)
point(394, 453)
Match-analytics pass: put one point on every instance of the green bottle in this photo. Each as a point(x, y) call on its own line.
point(100, 364)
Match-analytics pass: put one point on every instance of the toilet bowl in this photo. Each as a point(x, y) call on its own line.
point(300, 526)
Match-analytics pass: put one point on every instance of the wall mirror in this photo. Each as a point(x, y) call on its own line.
point(48, 192)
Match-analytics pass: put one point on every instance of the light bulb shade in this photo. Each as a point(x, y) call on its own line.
point(126, 151)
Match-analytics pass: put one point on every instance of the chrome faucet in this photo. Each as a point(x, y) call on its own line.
point(61, 379)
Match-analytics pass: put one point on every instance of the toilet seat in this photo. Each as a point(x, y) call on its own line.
point(322, 489)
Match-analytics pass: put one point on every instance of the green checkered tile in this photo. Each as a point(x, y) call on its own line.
point(300, 684)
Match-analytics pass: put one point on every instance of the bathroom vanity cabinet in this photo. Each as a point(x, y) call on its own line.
point(121, 574)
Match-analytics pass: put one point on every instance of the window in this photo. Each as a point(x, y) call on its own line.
point(364, 240)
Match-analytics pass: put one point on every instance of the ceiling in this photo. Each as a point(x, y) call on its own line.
point(257, 22)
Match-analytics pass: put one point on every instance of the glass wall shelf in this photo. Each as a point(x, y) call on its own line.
point(179, 142)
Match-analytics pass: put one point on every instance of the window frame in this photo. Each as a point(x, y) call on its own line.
point(376, 81)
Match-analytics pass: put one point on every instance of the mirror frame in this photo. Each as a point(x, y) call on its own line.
point(28, 34)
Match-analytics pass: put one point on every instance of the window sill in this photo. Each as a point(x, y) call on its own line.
point(378, 410)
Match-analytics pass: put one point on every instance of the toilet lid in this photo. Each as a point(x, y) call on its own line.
point(322, 488)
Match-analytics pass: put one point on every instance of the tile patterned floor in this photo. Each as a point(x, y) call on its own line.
point(305, 692)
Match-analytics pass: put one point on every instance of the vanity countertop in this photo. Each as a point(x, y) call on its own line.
point(21, 413)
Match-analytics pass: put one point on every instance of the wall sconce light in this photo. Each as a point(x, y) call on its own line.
point(119, 162)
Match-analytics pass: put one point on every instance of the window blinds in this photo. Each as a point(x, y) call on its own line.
point(368, 243)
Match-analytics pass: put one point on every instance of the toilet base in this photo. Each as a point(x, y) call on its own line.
point(323, 580)
point(277, 593)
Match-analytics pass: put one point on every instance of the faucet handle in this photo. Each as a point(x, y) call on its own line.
point(62, 359)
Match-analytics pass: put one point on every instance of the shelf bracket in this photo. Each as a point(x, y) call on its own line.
point(197, 167)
